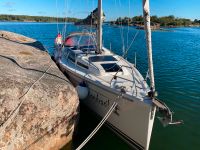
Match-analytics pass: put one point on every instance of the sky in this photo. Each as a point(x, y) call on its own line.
point(112, 8)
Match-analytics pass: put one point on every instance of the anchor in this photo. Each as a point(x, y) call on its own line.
point(167, 114)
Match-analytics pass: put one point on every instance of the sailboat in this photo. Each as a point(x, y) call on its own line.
point(102, 77)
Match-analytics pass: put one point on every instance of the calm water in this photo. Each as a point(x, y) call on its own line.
point(177, 73)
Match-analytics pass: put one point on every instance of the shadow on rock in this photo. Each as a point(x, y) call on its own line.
point(36, 44)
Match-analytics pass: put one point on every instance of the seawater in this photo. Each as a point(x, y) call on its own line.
point(176, 56)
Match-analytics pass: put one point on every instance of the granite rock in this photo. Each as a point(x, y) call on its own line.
point(38, 104)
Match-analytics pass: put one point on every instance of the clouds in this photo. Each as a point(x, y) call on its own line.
point(11, 9)
point(64, 13)
point(41, 12)
point(9, 4)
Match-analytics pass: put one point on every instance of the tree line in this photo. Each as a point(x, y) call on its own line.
point(91, 19)
point(25, 18)
point(162, 21)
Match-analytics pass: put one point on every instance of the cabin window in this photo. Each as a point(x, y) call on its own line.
point(82, 65)
point(65, 53)
point(102, 58)
point(111, 67)
point(71, 56)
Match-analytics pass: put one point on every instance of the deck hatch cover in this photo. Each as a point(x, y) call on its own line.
point(111, 67)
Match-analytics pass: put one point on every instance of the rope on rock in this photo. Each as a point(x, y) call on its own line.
point(16, 110)
point(112, 108)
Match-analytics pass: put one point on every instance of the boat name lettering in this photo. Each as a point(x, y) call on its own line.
point(102, 100)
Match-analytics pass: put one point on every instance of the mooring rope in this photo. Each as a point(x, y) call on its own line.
point(112, 108)
point(16, 110)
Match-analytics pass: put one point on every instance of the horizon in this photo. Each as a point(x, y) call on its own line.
point(86, 16)
point(75, 9)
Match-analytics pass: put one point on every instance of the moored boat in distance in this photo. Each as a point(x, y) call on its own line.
point(107, 78)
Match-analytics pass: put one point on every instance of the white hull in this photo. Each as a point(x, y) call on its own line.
point(133, 119)
point(110, 78)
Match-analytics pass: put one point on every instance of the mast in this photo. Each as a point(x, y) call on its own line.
point(147, 25)
point(99, 27)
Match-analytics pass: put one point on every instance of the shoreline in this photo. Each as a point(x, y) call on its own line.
point(106, 23)
point(160, 28)
point(14, 21)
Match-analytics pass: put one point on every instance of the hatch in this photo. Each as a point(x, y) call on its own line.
point(102, 58)
point(111, 67)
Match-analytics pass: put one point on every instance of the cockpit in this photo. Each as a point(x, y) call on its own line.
point(80, 50)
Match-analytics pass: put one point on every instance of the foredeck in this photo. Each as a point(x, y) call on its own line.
point(92, 66)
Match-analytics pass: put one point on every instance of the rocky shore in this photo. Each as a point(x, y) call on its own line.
point(38, 105)
point(91, 20)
